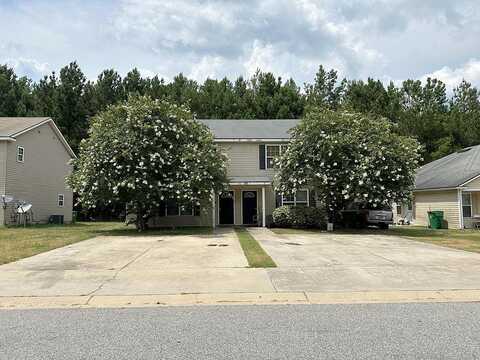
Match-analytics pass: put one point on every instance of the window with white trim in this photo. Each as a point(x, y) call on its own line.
point(61, 200)
point(300, 198)
point(20, 154)
point(467, 204)
point(172, 208)
point(271, 153)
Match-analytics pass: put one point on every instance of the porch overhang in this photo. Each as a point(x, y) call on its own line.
point(260, 181)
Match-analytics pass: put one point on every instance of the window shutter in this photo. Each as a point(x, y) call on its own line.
point(261, 156)
point(161, 208)
point(278, 199)
point(311, 200)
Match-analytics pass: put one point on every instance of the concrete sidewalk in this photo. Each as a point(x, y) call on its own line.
point(276, 298)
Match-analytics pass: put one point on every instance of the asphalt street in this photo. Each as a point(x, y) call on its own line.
point(373, 331)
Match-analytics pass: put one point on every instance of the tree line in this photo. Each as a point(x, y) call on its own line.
point(441, 122)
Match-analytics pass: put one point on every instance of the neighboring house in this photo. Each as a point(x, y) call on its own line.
point(452, 185)
point(34, 162)
point(251, 146)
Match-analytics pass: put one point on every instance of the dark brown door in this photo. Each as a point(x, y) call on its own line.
point(225, 205)
point(249, 207)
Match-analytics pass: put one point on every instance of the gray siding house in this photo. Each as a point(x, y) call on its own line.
point(450, 184)
point(34, 161)
point(251, 146)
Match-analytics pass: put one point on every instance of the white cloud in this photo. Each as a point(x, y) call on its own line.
point(269, 57)
point(171, 23)
point(28, 67)
point(470, 71)
point(209, 67)
point(385, 39)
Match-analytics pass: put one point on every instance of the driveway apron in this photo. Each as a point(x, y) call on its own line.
point(324, 262)
point(133, 265)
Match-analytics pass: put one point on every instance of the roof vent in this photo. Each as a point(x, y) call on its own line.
point(464, 150)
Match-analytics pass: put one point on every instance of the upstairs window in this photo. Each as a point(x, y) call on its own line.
point(61, 200)
point(20, 154)
point(271, 153)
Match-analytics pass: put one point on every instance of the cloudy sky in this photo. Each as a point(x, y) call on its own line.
point(385, 39)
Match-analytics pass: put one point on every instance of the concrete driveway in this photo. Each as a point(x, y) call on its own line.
point(324, 262)
point(139, 265)
point(202, 265)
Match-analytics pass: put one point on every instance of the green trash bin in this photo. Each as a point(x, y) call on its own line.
point(436, 219)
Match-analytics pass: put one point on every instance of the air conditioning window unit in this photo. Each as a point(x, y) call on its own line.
point(55, 219)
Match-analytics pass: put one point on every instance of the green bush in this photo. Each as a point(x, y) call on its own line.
point(299, 217)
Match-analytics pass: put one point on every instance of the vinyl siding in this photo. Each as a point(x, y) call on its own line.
point(476, 203)
point(474, 184)
point(41, 177)
point(243, 160)
point(3, 172)
point(446, 201)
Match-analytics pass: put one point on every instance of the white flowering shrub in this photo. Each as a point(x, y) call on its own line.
point(144, 152)
point(348, 157)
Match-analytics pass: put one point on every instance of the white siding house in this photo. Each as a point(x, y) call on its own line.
point(34, 162)
point(452, 185)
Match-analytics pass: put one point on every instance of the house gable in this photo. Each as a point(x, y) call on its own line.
point(40, 177)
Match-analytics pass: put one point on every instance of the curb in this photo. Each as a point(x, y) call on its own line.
point(276, 298)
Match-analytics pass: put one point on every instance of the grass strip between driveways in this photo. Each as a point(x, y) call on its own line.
point(18, 242)
point(256, 256)
point(468, 239)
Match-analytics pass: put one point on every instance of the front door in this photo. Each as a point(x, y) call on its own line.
point(249, 207)
point(225, 208)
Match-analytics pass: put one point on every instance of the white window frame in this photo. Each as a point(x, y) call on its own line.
point(179, 212)
point(469, 205)
point(18, 154)
point(281, 150)
point(60, 200)
point(295, 202)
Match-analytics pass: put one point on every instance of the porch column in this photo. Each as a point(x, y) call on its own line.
point(213, 210)
point(460, 208)
point(263, 208)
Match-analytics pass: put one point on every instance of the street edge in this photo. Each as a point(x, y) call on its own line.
point(275, 298)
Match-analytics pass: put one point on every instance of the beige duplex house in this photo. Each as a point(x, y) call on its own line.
point(452, 185)
point(34, 162)
point(250, 146)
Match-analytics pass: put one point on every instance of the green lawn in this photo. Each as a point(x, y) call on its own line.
point(468, 240)
point(18, 242)
point(256, 256)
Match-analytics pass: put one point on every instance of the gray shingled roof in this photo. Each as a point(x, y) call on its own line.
point(250, 129)
point(10, 126)
point(450, 171)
